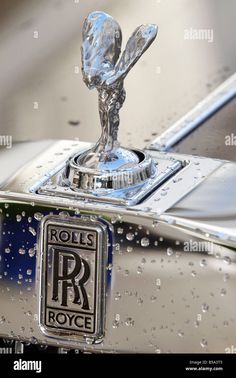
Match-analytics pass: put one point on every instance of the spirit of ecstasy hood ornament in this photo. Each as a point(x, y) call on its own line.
point(102, 69)
point(101, 49)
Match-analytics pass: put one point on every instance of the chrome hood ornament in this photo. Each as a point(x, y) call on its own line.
point(107, 165)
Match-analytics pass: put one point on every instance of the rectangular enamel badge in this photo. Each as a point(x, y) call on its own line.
point(72, 277)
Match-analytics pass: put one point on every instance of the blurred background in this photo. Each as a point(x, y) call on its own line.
point(42, 94)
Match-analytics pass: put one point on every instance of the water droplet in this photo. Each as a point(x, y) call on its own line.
point(18, 217)
point(33, 340)
point(109, 267)
point(203, 343)
point(116, 218)
point(196, 324)
point(129, 249)
point(120, 230)
point(6, 205)
point(177, 179)
point(169, 251)
point(29, 272)
point(130, 236)
point(145, 242)
point(143, 261)
point(43, 347)
point(193, 273)
point(2, 319)
point(227, 260)
point(178, 255)
point(140, 301)
point(226, 277)
point(117, 296)
point(163, 194)
point(65, 214)
point(180, 333)
point(129, 322)
point(31, 252)
point(126, 272)
point(115, 324)
point(89, 340)
point(21, 251)
point(154, 224)
point(32, 231)
point(139, 270)
point(205, 307)
point(203, 263)
point(7, 250)
point(223, 292)
point(38, 216)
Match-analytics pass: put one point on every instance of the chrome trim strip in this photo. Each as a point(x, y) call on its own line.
point(195, 117)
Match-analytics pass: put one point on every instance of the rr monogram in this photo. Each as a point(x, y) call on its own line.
point(75, 279)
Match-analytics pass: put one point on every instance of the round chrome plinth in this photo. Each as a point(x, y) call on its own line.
point(126, 169)
point(100, 160)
